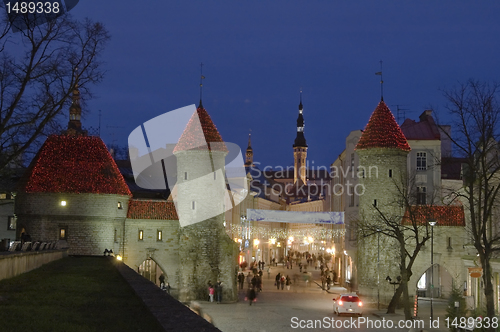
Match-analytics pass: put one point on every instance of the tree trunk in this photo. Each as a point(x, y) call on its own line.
point(391, 309)
point(489, 293)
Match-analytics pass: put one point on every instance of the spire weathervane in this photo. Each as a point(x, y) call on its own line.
point(381, 82)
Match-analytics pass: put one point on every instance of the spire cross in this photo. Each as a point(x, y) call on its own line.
point(381, 82)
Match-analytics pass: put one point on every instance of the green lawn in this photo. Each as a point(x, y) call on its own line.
point(73, 294)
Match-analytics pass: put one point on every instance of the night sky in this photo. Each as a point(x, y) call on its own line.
point(257, 55)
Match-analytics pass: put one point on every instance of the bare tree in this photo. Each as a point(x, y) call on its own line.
point(475, 109)
point(406, 224)
point(39, 67)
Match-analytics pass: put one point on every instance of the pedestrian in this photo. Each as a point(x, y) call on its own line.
point(268, 273)
point(167, 287)
point(218, 291)
point(300, 266)
point(162, 280)
point(282, 281)
point(211, 293)
point(251, 295)
point(288, 282)
point(278, 280)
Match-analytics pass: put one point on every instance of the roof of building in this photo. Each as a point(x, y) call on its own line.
point(73, 164)
point(200, 134)
point(425, 129)
point(151, 209)
point(444, 215)
point(382, 131)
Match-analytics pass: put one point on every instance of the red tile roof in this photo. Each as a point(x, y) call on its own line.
point(149, 209)
point(195, 139)
point(69, 164)
point(426, 129)
point(446, 215)
point(382, 131)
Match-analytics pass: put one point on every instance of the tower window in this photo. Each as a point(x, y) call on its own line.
point(390, 173)
point(421, 195)
point(116, 235)
point(421, 161)
point(193, 205)
point(141, 235)
point(120, 206)
point(185, 175)
point(159, 235)
point(374, 203)
point(449, 243)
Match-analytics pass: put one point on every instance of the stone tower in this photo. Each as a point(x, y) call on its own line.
point(382, 151)
point(207, 253)
point(300, 150)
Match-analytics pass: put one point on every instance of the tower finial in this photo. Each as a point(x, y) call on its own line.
point(250, 138)
point(381, 82)
point(300, 105)
point(201, 84)
point(75, 110)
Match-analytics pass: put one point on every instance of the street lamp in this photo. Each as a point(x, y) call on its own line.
point(432, 223)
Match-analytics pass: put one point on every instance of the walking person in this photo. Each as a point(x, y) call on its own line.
point(282, 282)
point(288, 282)
point(251, 295)
point(218, 291)
point(211, 293)
point(278, 280)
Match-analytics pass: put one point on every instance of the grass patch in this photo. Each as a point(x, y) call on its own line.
point(73, 294)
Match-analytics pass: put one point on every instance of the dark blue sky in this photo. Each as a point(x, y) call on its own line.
point(257, 55)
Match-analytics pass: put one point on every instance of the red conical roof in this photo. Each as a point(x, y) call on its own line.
point(382, 131)
point(74, 164)
point(200, 135)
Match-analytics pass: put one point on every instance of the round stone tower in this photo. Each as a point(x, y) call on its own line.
point(207, 253)
point(382, 151)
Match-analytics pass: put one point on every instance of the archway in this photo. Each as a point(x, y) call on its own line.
point(435, 282)
point(151, 270)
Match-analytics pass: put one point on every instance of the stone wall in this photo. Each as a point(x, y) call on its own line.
point(15, 263)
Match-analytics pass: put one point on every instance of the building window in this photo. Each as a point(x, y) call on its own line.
point(351, 202)
point(141, 235)
point(390, 173)
point(3, 196)
point(159, 235)
point(374, 203)
point(449, 243)
point(116, 235)
point(193, 205)
point(63, 233)
point(11, 224)
point(421, 195)
point(185, 175)
point(120, 206)
point(421, 161)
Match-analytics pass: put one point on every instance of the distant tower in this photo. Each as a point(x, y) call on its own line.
point(300, 149)
point(249, 152)
point(382, 151)
point(75, 114)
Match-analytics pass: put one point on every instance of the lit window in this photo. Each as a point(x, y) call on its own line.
point(159, 235)
point(63, 233)
point(11, 225)
point(120, 206)
point(141, 235)
point(63, 203)
point(3, 196)
point(421, 161)
point(421, 195)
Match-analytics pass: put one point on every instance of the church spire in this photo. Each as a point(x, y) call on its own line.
point(75, 112)
point(300, 149)
point(249, 152)
point(201, 85)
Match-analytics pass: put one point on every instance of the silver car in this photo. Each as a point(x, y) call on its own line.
point(348, 304)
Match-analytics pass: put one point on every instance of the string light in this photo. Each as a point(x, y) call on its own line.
point(196, 138)
point(382, 131)
point(70, 164)
point(446, 215)
point(263, 232)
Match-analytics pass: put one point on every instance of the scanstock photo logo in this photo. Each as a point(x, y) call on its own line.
point(29, 14)
point(174, 151)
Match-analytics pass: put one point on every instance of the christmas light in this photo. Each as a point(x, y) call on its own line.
point(70, 164)
point(446, 215)
point(382, 131)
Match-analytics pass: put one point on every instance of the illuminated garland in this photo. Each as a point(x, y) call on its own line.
point(444, 215)
point(196, 138)
point(261, 232)
point(382, 131)
point(149, 209)
point(69, 164)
